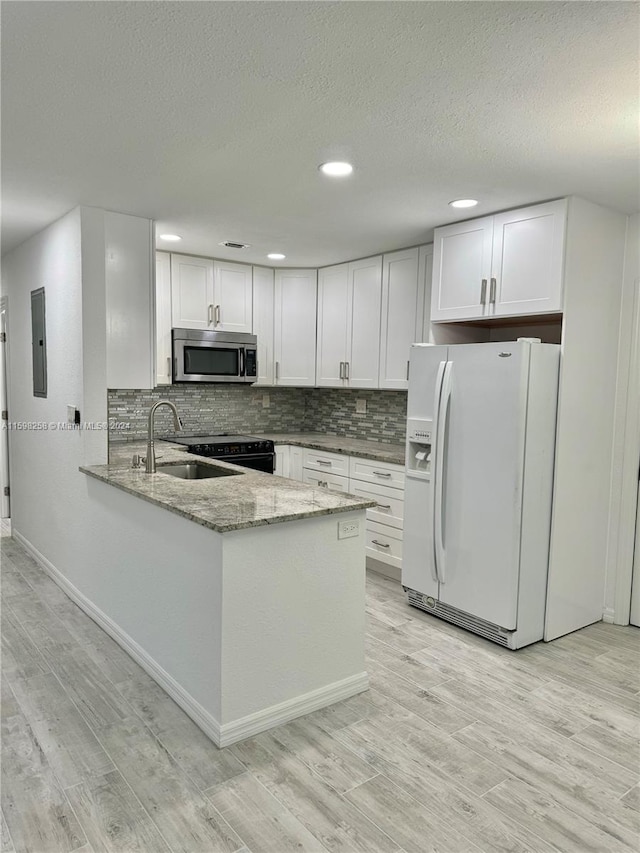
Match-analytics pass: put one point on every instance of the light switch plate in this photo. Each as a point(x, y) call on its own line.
point(266, 401)
point(361, 406)
point(71, 414)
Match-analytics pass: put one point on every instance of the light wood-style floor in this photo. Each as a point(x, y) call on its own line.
point(458, 746)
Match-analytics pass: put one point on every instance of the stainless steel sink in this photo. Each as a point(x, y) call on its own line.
point(195, 471)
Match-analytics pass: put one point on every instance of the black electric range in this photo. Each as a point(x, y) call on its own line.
point(245, 450)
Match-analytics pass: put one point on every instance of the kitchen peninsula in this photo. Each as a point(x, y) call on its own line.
point(242, 595)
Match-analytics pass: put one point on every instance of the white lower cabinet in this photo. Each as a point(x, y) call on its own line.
point(382, 482)
point(288, 461)
point(281, 468)
point(325, 481)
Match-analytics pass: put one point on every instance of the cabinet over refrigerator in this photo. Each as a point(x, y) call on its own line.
point(479, 481)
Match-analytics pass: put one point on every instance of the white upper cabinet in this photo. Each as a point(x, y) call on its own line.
point(363, 323)
point(263, 322)
point(400, 326)
point(461, 270)
point(191, 292)
point(528, 260)
point(333, 301)
point(232, 297)
point(425, 277)
point(348, 351)
point(295, 327)
point(163, 318)
point(506, 265)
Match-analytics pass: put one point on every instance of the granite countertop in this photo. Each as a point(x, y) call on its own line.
point(250, 499)
point(376, 450)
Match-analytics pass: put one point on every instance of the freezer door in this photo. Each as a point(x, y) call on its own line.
point(418, 559)
point(480, 492)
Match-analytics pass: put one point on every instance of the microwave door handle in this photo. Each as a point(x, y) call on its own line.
point(242, 356)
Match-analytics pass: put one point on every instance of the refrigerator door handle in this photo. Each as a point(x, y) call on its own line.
point(442, 422)
point(435, 456)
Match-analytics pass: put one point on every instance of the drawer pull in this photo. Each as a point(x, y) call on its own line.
point(382, 474)
point(384, 506)
point(322, 462)
point(381, 544)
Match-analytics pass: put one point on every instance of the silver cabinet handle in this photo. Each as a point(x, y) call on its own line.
point(342, 370)
point(210, 315)
point(322, 462)
point(169, 366)
point(483, 291)
point(381, 474)
point(407, 371)
point(492, 292)
point(277, 370)
point(381, 544)
point(217, 315)
point(384, 506)
point(346, 370)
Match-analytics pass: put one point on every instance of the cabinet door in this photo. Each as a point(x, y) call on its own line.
point(282, 460)
point(363, 323)
point(461, 270)
point(232, 297)
point(296, 455)
point(295, 327)
point(163, 318)
point(425, 276)
point(399, 316)
point(333, 299)
point(263, 305)
point(191, 292)
point(528, 260)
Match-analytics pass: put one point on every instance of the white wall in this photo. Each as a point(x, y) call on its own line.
point(626, 450)
point(68, 259)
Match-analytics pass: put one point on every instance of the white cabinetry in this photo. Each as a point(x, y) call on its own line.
point(191, 292)
point(425, 276)
point(263, 322)
point(383, 483)
point(232, 297)
point(348, 349)
point(289, 461)
point(506, 265)
point(163, 318)
point(400, 326)
point(295, 327)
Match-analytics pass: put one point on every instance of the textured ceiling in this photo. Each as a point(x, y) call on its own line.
point(212, 117)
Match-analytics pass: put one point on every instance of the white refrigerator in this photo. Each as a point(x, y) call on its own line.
point(481, 422)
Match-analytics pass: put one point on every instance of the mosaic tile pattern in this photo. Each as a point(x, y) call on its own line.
point(216, 408)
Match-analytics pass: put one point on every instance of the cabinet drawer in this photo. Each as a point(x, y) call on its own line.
point(325, 481)
point(382, 473)
point(383, 545)
point(390, 503)
point(328, 463)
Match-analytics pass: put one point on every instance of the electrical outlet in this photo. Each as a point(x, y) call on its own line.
point(266, 401)
point(361, 406)
point(347, 529)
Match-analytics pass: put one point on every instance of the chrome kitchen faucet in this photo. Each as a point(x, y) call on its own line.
point(150, 462)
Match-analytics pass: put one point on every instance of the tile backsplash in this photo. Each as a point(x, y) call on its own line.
point(216, 408)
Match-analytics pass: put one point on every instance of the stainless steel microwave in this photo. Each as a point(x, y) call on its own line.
point(203, 356)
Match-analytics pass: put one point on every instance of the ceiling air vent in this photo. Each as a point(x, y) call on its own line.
point(230, 244)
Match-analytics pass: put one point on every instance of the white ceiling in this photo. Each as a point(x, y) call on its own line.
point(212, 117)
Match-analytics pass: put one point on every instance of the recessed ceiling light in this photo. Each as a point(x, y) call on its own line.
point(336, 169)
point(463, 202)
point(276, 256)
point(170, 238)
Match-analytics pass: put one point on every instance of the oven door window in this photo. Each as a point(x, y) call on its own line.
point(211, 361)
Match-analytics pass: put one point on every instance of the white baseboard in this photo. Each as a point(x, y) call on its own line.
point(276, 715)
point(221, 735)
point(608, 615)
